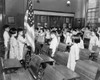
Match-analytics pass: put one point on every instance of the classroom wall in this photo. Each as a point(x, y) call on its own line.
point(16, 8)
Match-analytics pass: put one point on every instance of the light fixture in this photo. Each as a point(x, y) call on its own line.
point(38, 1)
point(68, 3)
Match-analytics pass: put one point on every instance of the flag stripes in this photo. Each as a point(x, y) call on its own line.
point(29, 25)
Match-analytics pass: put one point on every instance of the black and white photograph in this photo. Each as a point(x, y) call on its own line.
point(49, 39)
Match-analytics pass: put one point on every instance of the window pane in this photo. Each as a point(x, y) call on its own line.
point(93, 11)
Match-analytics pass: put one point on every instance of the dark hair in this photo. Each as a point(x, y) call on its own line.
point(76, 38)
point(13, 31)
point(20, 29)
point(53, 32)
point(6, 26)
point(80, 35)
point(36, 29)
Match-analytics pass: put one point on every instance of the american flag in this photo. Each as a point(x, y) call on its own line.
point(29, 24)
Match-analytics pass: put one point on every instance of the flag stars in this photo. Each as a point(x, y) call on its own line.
point(30, 16)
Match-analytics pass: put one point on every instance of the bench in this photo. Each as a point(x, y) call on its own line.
point(96, 65)
point(11, 65)
point(19, 75)
point(59, 72)
point(86, 70)
point(39, 63)
point(52, 74)
point(67, 73)
point(84, 54)
point(13, 70)
point(61, 57)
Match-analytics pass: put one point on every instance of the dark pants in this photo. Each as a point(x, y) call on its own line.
point(86, 43)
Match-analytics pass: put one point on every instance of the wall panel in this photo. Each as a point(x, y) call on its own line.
point(17, 8)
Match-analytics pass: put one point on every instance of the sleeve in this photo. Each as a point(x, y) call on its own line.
point(97, 41)
point(12, 43)
point(5, 39)
point(82, 44)
point(77, 55)
point(64, 36)
point(72, 51)
point(53, 46)
point(21, 39)
point(53, 50)
point(75, 51)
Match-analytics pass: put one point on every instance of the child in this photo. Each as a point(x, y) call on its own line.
point(21, 42)
point(68, 39)
point(74, 53)
point(41, 37)
point(81, 44)
point(98, 32)
point(47, 38)
point(93, 41)
point(62, 38)
point(6, 40)
point(13, 44)
point(54, 43)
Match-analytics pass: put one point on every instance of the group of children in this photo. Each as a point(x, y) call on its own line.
point(49, 37)
point(73, 38)
point(13, 43)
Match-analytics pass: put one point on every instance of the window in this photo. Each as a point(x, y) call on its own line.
point(93, 12)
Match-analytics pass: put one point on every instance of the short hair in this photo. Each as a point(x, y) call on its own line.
point(20, 29)
point(6, 26)
point(53, 32)
point(36, 29)
point(76, 38)
point(13, 31)
point(80, 35)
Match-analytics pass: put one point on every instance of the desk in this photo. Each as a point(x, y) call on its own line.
point(86, 69)
point(39, 63)
point(67, 73)
point(52, 74)
point(47, 59)
point(19, 75)
point(84, 54)
point(11, 63)
point(59, 72)
point(61, 57)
